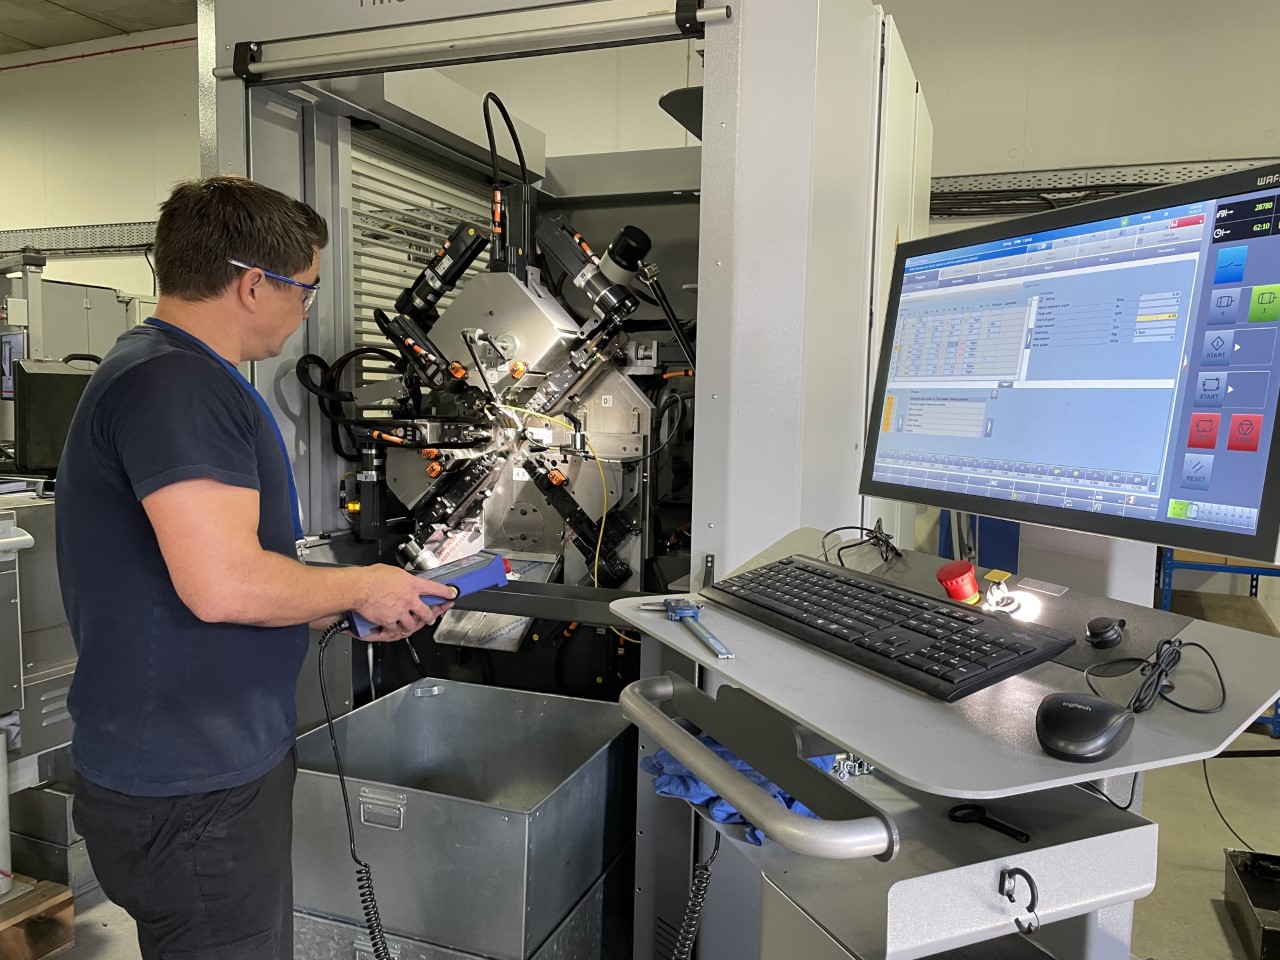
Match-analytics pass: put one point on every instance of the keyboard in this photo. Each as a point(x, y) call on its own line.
point(946, 650)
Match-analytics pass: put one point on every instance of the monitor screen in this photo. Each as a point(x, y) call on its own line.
point(1110, 367)
point(13, 346)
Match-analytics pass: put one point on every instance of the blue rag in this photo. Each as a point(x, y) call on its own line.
point(671, 778)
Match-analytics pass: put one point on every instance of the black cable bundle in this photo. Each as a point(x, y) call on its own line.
point(489, 98)
point(876, 536)
point(330, 396)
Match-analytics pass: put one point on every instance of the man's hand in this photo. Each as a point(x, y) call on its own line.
point(391, 599)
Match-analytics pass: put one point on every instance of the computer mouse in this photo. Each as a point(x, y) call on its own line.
point(1082, 728)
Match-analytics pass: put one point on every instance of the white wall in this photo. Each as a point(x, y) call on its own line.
point(1026, 84)
point(597, 101)
point(98, 140)
point(1030, 84)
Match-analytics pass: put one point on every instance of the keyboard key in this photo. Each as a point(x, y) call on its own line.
point(964, 673)
point(937, 669)
point(915, 661)
point(995, 659)
point(1019, 648)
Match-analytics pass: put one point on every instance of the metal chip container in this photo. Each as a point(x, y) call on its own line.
point(487, 814)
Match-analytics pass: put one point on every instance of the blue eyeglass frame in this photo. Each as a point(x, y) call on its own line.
point(313, 289)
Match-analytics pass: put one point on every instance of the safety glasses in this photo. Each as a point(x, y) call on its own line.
point(308, 298)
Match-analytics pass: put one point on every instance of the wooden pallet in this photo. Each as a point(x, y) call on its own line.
point(39, 924)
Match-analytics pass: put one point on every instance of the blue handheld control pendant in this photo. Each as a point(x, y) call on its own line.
point(477, 572)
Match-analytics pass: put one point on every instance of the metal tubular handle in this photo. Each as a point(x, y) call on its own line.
point(657, 24)
point(13, 540)
point(830, 839)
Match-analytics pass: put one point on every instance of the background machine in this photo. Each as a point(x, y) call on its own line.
point(788, 296)
point(509, 420)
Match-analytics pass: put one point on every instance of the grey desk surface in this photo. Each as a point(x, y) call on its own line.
point(985, 745)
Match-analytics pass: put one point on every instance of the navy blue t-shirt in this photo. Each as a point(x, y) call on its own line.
point(165, 704)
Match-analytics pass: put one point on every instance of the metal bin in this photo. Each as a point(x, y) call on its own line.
point(486, 814)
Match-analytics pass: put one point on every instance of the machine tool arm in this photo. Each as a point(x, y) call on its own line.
point(612, 570)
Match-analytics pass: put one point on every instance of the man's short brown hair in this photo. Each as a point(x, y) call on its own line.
point(204, 223)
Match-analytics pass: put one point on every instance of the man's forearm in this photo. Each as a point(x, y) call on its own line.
point(276, 591)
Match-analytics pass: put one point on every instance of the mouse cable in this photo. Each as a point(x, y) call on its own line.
point(1156, 673)
point(1133, 792)
point(1204, 764)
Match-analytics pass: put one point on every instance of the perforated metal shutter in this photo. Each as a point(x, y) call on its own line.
point(403, 208)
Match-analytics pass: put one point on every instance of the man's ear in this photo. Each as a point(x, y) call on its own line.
point(247, 288)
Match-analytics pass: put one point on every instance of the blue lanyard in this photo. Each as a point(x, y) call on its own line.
point(296, 508)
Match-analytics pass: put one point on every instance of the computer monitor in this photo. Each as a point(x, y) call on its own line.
point(46, 393)
point(1110, 367)
point(13, 346)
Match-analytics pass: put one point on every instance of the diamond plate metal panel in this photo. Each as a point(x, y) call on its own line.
point(1082, 177)
point(89, 238)
point(1033, 191)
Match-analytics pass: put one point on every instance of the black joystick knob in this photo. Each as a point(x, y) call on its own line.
point(1105, 632)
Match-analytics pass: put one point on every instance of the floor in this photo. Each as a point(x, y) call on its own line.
point(1184, 919)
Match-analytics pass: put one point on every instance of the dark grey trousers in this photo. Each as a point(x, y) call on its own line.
point(207, 876)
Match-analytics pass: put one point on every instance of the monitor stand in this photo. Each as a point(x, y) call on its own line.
point(1103, 566)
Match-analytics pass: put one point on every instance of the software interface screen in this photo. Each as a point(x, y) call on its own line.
point(1125, 367)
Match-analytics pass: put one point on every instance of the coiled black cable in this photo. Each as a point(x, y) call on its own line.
point(1155, 677)
point(697, 901)
point(364, 873)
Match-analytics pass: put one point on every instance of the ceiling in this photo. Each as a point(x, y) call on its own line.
point(34, 24)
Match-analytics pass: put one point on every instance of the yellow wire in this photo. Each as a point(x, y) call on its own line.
point(604, 494)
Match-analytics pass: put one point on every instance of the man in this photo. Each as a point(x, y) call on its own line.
point(177, 521)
